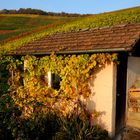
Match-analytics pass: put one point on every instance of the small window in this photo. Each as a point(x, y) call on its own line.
point(54, 80)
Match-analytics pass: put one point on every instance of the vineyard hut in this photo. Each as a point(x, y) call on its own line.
point(111, 85)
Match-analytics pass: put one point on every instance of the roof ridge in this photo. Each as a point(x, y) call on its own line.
point(96, 28)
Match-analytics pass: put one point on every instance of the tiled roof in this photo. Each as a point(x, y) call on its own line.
point(117, 38)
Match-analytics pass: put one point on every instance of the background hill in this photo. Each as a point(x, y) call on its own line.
point(19, 25)
point(23, 21)
point(37, 12)
point(19, 29)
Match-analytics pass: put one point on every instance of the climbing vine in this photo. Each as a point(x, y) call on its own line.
point(28, 81)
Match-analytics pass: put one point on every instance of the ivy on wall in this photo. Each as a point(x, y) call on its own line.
point(28, 80)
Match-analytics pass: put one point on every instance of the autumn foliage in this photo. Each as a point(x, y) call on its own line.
point(32, 97)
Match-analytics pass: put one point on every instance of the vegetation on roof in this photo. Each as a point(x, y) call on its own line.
point(95, 21)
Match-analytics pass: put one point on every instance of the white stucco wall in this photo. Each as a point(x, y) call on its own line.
point(103, 98)
point(133, 70)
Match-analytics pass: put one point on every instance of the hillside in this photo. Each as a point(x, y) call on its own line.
point(34, 27)
point(14, 25)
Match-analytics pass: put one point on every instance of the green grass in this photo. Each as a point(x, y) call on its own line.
point(131, 15)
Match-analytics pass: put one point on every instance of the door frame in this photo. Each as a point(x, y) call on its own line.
point(121, 86)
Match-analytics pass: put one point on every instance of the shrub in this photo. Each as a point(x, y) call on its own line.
point(6, 110)
point(13, 126)
point(49, 126)
point(74, 128)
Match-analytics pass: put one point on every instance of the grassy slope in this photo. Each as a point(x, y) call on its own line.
point(19, 24)
point(131, 15)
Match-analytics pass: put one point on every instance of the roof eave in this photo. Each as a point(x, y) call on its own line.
point(110, 50)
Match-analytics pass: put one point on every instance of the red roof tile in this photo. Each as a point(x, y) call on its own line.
point(117, 38)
